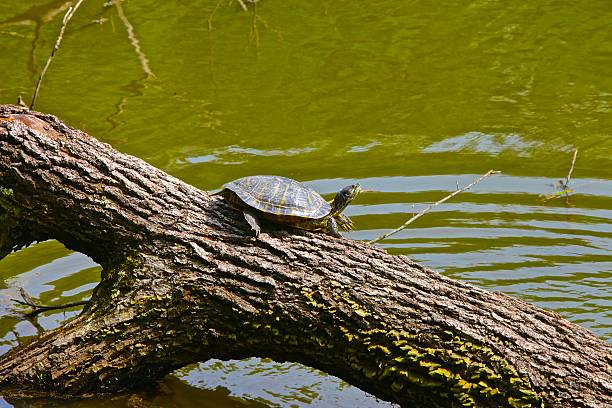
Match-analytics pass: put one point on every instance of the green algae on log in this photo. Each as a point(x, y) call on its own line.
point(183, 281)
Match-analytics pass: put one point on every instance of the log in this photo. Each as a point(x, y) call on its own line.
point(183, 281)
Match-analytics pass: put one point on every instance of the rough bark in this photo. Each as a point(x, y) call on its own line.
point(183, 281)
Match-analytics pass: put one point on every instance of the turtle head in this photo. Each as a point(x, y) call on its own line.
point(344, 197)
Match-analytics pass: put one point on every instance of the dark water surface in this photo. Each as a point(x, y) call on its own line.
point(405, 97)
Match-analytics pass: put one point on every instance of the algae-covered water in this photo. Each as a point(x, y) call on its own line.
point(407, 98)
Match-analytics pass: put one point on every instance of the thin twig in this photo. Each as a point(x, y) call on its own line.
point(29, 301)
point(563, 186)
point(569, 174)
point(430, 207)
point(65, 21)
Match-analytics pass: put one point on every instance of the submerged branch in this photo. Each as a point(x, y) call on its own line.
point(38, 308)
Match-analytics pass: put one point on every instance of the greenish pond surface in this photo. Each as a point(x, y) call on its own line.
point(407, 98)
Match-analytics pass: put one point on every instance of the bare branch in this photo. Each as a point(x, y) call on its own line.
point(65, 21)
point(430, 207)
point(37, 308)
point(569, 174)
point(563, 186)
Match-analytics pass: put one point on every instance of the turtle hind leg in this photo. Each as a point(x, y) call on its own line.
point(332, 227)
point(251, 218)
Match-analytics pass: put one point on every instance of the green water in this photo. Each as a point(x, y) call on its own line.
point(405, 97)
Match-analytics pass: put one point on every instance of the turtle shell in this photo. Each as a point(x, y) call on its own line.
point(280, 196)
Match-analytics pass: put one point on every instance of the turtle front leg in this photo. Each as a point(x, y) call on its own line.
point(332, 227)
point(344, 222)
point(251, 218)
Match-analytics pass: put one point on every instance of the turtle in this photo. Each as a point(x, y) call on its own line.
point(282, 200)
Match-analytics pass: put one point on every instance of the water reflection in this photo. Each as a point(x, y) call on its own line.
point(50, 273)
point(483, 143)
point(278, 384)
point(237, 151)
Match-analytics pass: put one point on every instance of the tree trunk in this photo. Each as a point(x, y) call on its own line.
point(183, 281)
